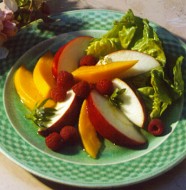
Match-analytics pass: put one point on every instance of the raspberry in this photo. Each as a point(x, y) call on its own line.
point(70, 135)
point(156, 127)
point(87, 60)
point(81, 89)
point(92, 86)
point(58, 94)
point(54, 141)
point(65, 80)
point(104, 87)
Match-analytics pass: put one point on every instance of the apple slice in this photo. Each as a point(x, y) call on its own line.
point(145, 62)
point(67, 114)
point(132, 105)
point(55, 61)
point(70, 55)
point(111, 123)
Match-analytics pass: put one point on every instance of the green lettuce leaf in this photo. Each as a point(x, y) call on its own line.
point(162, 90)
point(104, 45)
point(178, 82)
point(126, 35)
point(131, 32)
point(161, 97)
point(150, 44)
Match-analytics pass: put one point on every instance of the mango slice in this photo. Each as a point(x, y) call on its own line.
point(27, 90)
point(88, 134)
point(110, 71)
point(42, 75)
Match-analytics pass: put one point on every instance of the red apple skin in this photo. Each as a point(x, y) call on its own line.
point(106, 130)
point(55, 61)
point(70, 117)
point(60, 52)
point(74, 48)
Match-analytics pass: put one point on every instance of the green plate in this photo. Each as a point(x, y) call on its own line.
point(116, 166)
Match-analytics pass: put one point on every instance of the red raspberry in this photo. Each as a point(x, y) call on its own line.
point(70, 135)
point(104, 87)
point(81, 89)
point(156, 127)
point(58, 94)
point(54, 141)
point(65, 80)
point(92, 86)
point(87, 60)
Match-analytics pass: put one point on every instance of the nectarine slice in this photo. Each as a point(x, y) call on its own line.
point(95, 73)
point(88, 134)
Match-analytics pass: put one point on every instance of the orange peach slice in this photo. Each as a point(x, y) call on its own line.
point(42, 75)
point(110, 71)
point(88, 134)
point(145, 61)
point(27, 90)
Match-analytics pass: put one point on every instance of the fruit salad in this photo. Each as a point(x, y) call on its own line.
point(93, 89)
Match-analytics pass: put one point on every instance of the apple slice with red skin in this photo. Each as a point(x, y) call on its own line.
point(145, 62)
point(69, 55)
point(55, 61)
point(67, 114)
point(133, 106)
point(111, 123)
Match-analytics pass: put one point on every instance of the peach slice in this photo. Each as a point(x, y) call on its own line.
point(27, 90)
point(88, 134)
point(42, 75)
point(145, 61)
point(95, 73)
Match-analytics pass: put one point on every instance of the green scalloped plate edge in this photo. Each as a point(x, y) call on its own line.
point(147, 165)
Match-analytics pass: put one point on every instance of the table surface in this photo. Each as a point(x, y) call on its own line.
point(169, 14)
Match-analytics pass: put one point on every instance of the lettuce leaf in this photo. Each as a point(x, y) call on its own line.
point(104, 45)
point(150, 44)
point(178, 82)
point(131, 32)
point(163, 90)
